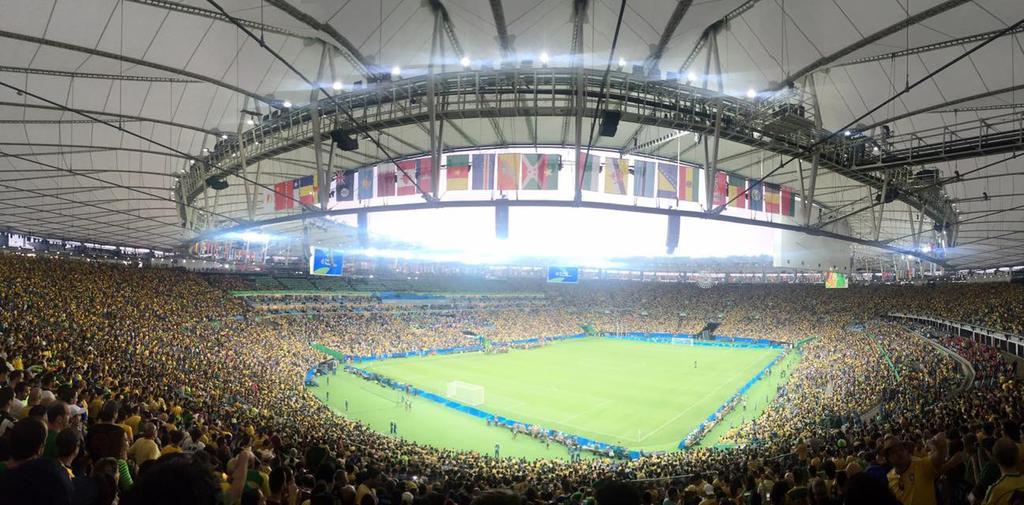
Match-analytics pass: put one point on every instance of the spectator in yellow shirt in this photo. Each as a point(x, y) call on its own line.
point(1010, 486)
point(912, 479)
point(145, 448)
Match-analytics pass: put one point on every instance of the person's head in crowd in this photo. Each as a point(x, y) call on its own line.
point(175, 480)
point(69, 441)
point(27, 439)
point(1006, 454)
point(57, 416)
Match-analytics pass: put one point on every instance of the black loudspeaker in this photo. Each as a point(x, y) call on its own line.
point(343, 141)
point(672, 236)
point(364, 235)
point(501, 219)
point(217, 183)
point(610, 123)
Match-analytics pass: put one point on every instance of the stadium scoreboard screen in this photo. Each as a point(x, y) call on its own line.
point(325, 261)
point(564, 275)
point(835, 280)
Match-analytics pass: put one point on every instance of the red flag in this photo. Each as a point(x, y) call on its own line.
point(283, 195)
point(423, 166)
point(406, 177)
point(386, 179)
point(721, 188)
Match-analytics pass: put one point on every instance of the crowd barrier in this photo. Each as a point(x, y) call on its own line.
point(562, 437)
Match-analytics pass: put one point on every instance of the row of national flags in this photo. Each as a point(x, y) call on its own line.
point(515, 171)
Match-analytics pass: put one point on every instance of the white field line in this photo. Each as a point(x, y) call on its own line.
point(680, 414)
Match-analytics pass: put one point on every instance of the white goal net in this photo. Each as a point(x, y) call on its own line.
point(465, 393)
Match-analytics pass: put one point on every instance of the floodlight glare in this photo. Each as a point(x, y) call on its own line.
point(691, 77)
point(544, 57)
point(622, 62)
point(751, 93)
point(337, 86)
point(287, 104)
point(396, 71)
point(465, 61)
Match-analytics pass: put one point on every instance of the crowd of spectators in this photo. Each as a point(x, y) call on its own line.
point(132, 385)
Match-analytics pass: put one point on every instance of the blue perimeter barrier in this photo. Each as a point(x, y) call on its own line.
point(715, 341)
point(455, 350)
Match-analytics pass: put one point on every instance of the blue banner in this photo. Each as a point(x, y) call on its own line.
point(564, 275)
point(325, 261)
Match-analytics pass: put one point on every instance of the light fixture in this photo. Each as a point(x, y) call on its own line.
point(191, 162)
point(751, 94)
point(287, 104)
point(622, 62)
point(206, 150)
point(250, 122)
point(847, 133)
point(224, 136)
point(691, 76)
point(465, 62)
point(396, 71)
point(875, 150)
point(544, 57)
point(336, 86)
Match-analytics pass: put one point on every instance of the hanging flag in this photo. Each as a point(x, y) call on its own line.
point(424, 175)
point(283, 195)
point(588, 176)
point(668, 180)
point(688, 183)
point(771, 198)
point(268, 200)
point(508, 171)
point(457, 172)
point(539, 171)
point(755, 197)
point(406, 178)
point(483, 171)
point(788, 202)
point(344, 186)
point(366, 183)
point(307, 189)
point(643, 178)
point(721, 188)
point(737, 184)
point(386, 179)
point(616, 173)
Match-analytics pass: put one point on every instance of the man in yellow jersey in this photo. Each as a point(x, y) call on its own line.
point(912, 479)
point(1009, 488)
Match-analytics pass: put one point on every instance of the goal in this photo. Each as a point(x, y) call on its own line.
point(466, 393)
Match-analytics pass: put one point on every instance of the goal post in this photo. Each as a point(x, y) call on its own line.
point(465, 393)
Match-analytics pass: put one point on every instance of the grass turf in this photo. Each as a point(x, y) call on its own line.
point(640, 395)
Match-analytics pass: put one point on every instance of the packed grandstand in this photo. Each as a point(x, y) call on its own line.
point(161, 386)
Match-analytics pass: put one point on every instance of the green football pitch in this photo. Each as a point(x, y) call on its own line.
point(639, 395)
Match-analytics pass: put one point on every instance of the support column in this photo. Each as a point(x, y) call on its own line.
point(322, 175)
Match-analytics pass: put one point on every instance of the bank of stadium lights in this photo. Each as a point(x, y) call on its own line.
point(250, 122)
point(336, 86)
point(224, 136)
point(751, 94)
point(465, 62)
point(286, 104)
point(622, 63)
point(691, 77)
point(544, 58)
point(396, 71)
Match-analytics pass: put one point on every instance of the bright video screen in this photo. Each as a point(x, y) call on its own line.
point(835, 280)
point(325, 261)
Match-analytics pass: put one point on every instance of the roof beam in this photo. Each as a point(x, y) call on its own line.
point(713, 27)
point(134, 61)
point(114, 115)
point(943, 105)
point(504, 39)
point(959, 41)
point(94, 75)
point(449, 28)
point(871, 39)
point(666, 35)
point(349, 51)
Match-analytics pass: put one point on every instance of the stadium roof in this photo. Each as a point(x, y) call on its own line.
point(170, 78)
